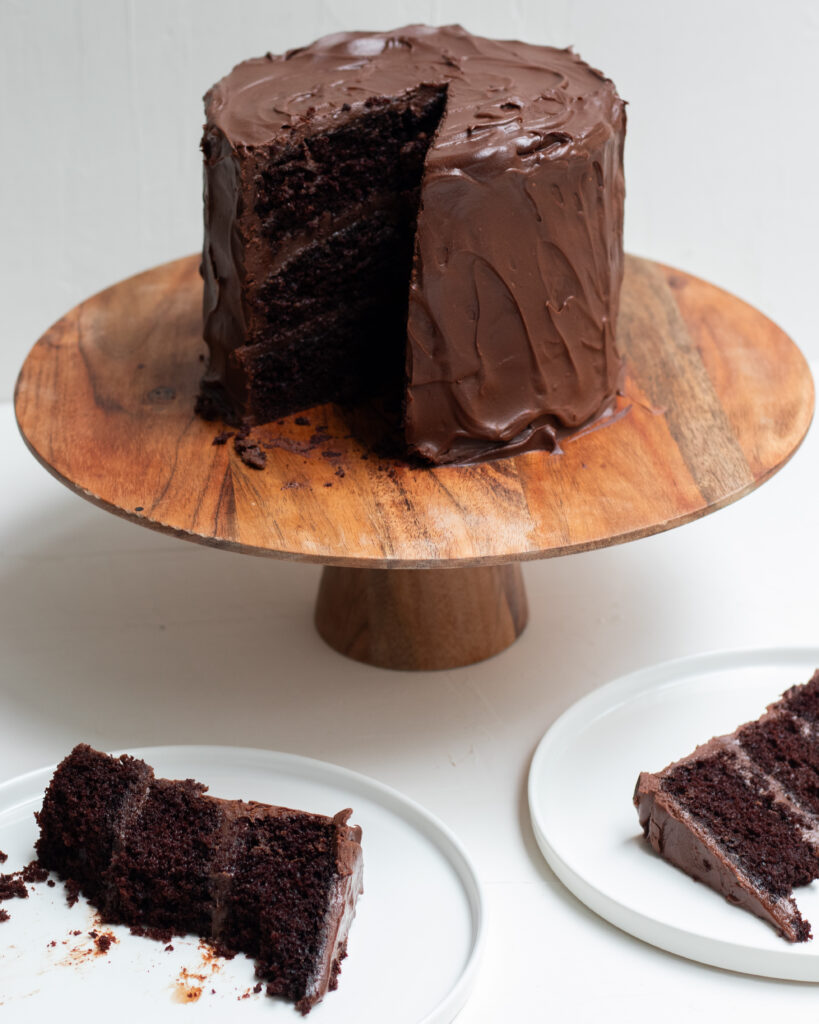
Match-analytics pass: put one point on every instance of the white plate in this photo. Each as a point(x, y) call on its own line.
point(413, 948)
point(581, 784)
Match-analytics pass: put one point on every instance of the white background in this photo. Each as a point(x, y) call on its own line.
point(101, 116)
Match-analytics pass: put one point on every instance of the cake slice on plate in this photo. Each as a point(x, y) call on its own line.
point(164, 857)
point(741, 812)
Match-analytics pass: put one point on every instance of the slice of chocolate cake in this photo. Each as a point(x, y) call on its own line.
point(741, 813)
point(164, 857)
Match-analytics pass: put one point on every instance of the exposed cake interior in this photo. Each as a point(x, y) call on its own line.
point(275, 883)
point(326, 281)
point(733, 800)
point(282, 917)
point(741, 813)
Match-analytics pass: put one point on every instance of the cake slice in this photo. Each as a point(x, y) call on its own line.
point(164, 857)
point(741, 812)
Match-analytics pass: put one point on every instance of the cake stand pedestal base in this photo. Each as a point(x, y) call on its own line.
point(421, 618)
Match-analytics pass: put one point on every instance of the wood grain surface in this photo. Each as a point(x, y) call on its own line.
point(715, 400)
point(433, 619)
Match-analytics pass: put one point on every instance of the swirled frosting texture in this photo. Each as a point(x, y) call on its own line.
point(518, 262)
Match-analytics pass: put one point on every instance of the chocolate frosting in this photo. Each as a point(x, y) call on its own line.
point(518, 261)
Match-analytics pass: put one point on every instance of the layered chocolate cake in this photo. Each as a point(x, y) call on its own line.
point(741, 813)
point(424, 217)
point(277, 884)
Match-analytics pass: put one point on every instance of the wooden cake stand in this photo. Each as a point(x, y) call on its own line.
point(717, 398)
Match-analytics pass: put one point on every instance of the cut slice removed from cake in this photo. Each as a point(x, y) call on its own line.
point(165, 858)
point(741, 812)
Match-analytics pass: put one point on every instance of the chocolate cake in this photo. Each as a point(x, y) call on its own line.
point(425, 217)
point(741, 813)
point(277, 884)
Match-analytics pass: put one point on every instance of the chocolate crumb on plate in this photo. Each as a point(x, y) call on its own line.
point(34, 872)
point(12, 886)
point(72, 892)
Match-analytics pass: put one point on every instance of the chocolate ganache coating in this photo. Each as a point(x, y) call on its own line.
point(517, 259)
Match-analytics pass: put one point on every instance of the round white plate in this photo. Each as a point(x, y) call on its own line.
point(413, 947)
point(581, 784)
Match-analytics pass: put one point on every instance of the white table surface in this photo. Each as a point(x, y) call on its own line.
point(122, 638)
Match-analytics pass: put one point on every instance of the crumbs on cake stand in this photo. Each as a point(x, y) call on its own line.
point(252, 445)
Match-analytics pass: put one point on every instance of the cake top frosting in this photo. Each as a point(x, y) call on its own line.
point(509, 97)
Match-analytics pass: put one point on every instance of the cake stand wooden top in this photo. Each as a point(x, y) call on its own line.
point(716, 399)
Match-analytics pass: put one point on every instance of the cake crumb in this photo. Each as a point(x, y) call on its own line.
point(169, 948)
point(302, 421)
point(72, 892)
point(34, 872)
point(249, 452)
point(329, 484)
point(104, 941)
point(340, 472)
point(163, 935)
point(3, 857)
point(223, 437)
point(12, 886)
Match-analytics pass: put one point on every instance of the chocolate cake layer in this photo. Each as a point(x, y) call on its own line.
point(500, 164)
point(278, 884)
point(741, 812)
